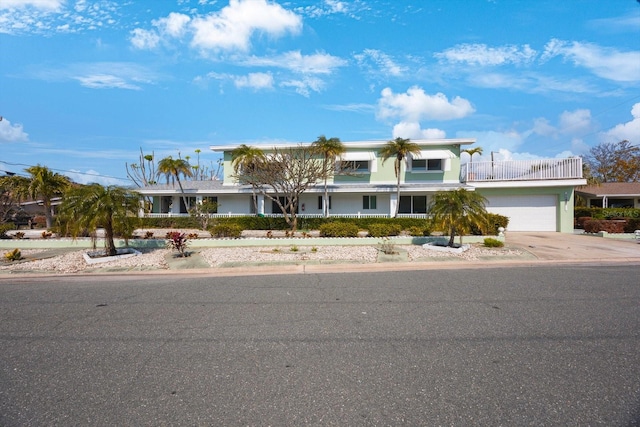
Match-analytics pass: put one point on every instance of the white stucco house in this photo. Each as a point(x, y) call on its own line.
point(536, 195)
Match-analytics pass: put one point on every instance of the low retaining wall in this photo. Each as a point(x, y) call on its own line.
point(82, 243)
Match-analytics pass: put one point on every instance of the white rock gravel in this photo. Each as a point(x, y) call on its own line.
point(73, 262)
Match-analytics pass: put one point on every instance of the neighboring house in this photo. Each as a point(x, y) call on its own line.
point(611, 195)
point(536, 195)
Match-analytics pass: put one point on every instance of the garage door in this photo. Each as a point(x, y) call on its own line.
point(526, 213)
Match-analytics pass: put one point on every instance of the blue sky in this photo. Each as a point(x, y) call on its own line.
point(86, 84)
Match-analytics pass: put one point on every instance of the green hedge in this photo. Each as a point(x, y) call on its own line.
point(278, 223)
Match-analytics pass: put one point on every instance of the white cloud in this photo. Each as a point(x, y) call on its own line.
point(233, 27)
point(318, 63)
point(101, 75)
point(305, 85)
point(382, 63)
point(415, 105)
point(12, 133)
point(332, 7)
point(629, 130)
point(575, 122)
point(413, 130)
point(38, 4)
point(483, 55)
point(57, 16)
point(144, 39)
point(174, 25)
point(255, 81)
point(106, 81)
point(607, 63)
point(229, 29)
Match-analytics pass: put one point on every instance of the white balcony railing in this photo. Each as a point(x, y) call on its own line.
point(522, 170)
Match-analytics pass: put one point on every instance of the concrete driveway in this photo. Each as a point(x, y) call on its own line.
point(574, 247)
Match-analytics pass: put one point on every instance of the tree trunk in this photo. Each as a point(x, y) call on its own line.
point(108, 236)
point(397, 197)
point(453, 235)
point(325, 201)
point(48, 216)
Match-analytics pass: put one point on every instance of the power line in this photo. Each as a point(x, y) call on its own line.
point(63, 170)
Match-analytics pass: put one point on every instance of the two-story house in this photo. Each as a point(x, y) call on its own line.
point(536, 195)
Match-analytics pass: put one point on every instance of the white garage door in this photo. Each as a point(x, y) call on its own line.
point(526, 213)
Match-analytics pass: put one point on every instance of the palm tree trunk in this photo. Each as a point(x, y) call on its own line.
point(184, 198)
point(48, 216)
point(109, 243)
point(325, 202)
point(397, 192)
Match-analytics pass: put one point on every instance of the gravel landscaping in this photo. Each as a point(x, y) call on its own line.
point(73, 262)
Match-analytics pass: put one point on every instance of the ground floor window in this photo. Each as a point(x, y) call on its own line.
point(320, 202)
point(276, 209)
point(369, 202)
point(213, 200)
point(413, 204)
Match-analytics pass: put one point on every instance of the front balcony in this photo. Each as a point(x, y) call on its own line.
point(522, 170)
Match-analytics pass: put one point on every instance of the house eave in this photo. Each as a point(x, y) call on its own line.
point(375, 144)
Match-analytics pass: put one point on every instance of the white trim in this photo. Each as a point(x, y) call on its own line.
point(354, 156)
point(354, 144)
point(521, 184)
point(436, 154)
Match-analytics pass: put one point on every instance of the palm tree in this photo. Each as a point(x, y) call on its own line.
point(89, 207)
point(172, 169)
point(328, 149)
point(472, 151)
point(399, 149)
point(458, 211)
point(44, 184)
point(245, 159)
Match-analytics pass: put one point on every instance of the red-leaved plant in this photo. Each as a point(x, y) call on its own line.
point(177, 241)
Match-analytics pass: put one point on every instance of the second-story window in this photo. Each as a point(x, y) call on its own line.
point(434, 164)
point(355, 166)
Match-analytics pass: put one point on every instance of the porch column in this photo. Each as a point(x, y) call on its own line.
point(175, 204)
point(393, 202)
point(260, 201)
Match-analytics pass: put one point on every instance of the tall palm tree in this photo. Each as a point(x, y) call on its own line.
point(472, 151)
point(172, 169)
point(45, 185)
point(89, 207)
point(245, 159)
point(329, 149)
point(399, 149)
point(458, 211)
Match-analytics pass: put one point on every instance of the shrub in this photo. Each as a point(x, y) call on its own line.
point(490, 242)
point(4, 228)
point(178, 241)
point(598, 225)
point(581, 220)
point(226, 230)
point(384, 230)
point(13, 255)
point(388, 248)
point(632, 225)
point(417, 231)
point(339, 229)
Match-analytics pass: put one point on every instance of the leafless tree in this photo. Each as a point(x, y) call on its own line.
point(613, 162)
point(282, 175)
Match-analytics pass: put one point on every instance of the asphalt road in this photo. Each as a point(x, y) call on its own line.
point(512, 346)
